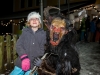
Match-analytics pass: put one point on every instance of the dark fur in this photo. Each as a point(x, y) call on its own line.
point(57, 63)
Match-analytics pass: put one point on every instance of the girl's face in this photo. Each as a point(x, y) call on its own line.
point(34, 22)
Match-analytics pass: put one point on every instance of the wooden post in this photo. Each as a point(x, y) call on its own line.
point(8, 49)
point(14, 48)
point(1, 54)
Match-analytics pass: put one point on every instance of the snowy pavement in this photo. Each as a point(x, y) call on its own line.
point(89, 58)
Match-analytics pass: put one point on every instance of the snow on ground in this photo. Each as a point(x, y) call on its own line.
point(89, 58)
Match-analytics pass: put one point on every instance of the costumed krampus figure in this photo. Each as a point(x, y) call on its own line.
point(62, 58)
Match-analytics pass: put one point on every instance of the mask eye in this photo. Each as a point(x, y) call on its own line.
point(62, 28)
point(52, 27)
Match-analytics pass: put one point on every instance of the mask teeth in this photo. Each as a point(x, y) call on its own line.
point(55, 36)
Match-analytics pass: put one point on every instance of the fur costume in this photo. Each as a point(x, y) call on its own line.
point(62, 58)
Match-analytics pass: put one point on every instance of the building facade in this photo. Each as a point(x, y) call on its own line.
point(23, 5)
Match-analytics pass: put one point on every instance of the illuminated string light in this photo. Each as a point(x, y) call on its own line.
point(13, 23)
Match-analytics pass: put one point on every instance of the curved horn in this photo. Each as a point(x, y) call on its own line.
point(46, 10)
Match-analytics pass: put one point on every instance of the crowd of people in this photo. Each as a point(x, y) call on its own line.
point(89, 30)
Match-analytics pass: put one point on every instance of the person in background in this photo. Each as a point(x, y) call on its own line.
point(87, 23)
point(83, 30)
point(92, 29)
point(30, 46)
point(97, 38)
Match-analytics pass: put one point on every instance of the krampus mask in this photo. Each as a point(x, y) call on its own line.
point(56, 25)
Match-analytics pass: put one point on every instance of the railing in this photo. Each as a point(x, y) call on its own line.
point(7, 53)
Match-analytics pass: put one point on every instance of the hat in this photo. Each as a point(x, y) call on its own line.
point(33, 15)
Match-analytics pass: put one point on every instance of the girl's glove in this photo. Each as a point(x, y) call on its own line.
point(37, 62)
point(25, 62)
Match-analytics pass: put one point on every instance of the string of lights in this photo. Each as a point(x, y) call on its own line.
point(18, 22)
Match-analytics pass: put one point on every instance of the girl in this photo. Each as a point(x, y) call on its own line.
point(30, 46)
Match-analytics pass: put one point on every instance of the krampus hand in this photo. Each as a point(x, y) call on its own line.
point(37, 62)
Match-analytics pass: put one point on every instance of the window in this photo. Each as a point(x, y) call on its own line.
point(44, 3)
point(65, 1)
point(22, 3)
point(37, 2)
point(30, 2)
